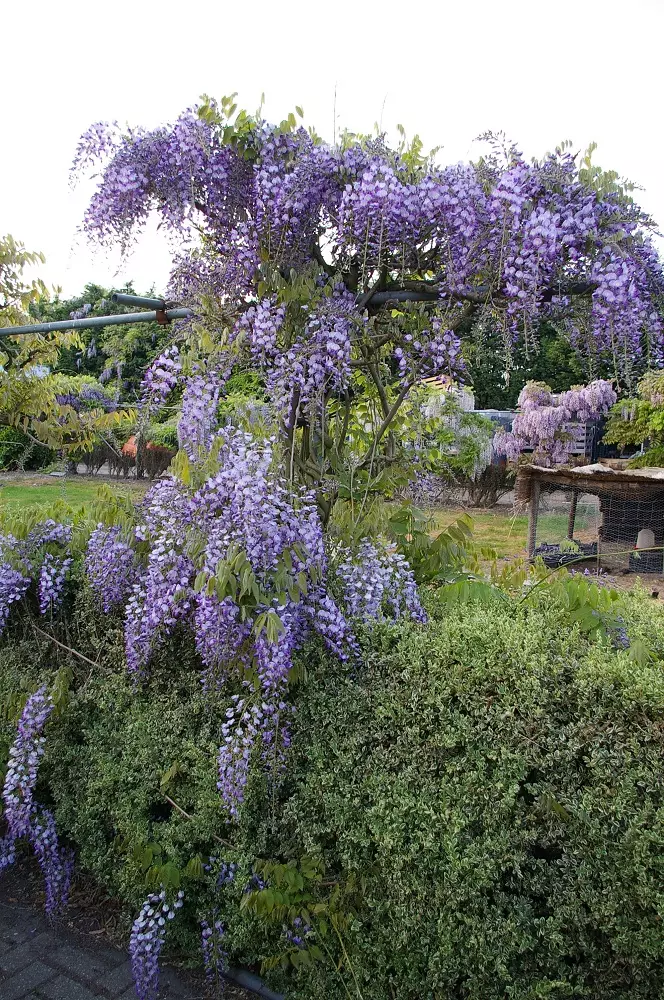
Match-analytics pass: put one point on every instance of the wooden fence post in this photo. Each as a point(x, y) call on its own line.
point(533, 511)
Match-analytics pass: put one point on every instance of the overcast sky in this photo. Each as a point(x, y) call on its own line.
point(541, 72)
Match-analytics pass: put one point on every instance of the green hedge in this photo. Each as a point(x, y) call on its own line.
point(493, 779)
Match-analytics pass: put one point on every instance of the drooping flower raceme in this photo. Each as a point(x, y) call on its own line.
point(25, 818)
point(56, 863)
point(198, 418)
point(111, 565)
point(52, 580)
point(379, 580)
point(159, 380)
point(147, 939)
point(23, 560)
point(215, 959)
point(13, 585)
point(24, 758)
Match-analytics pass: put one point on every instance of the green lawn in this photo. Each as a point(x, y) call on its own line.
point(40, 491)
point(502, 532)
point(508, 534)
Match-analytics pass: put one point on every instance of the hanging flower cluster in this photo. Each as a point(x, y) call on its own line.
point(241, 560)
point(25, 560)
point(377, 581)
point(111, 565)
point(52, 576)
point(159, 380)
point(545, 422)
point(215, 958)
point(25, 818)
point(524, 238)
point(198, 417)
point(148, 934)
point(87, 397)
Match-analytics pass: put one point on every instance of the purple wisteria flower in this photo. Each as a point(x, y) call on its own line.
point(13, 585)
point(147, 939)
point(25, 818)
point(111, 565)
point(545, 421)
point(377, 581)
point(215, 958)
point(52, 575)
point(198, 418)
point(25, 755)
point(159, 380)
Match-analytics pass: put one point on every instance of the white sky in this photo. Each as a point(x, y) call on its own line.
point(449, 70)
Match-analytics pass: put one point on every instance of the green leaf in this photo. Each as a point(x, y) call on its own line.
point(170, 875)
point(194, 868)
point(168, 775)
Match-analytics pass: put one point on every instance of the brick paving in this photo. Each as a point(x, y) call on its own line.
point(43, 961)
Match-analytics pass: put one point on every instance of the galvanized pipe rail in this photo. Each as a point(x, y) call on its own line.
point(158, 314)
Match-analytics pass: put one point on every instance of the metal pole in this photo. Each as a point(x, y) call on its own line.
point(96, 321)
point(138, 300)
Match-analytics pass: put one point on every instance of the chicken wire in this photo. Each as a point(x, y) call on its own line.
point(616, 528)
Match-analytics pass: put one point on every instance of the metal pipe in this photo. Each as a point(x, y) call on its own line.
point(137, 300)
point(94, 321)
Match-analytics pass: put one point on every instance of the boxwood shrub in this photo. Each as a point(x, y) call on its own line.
point(493, 781)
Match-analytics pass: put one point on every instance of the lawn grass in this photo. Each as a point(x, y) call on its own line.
point(19, 493)
point(502, 531)
point(507, 533)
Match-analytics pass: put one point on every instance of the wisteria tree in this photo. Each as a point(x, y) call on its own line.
point(545, 423)
point(345, 275)
point(348, 273)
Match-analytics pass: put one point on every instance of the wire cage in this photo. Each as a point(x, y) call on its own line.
point(595, 516)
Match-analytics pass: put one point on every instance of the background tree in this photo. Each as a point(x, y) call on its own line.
point(42, 407)
point(496, 386)
point(639, 420)
point(16, 292)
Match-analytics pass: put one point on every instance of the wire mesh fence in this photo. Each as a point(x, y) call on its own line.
point(616, 527)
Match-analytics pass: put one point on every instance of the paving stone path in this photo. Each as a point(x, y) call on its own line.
point(41, 962)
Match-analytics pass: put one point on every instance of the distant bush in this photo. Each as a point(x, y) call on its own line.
point(18, 452)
